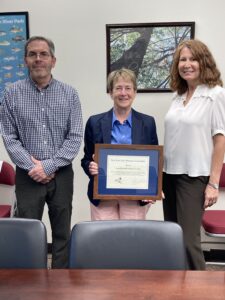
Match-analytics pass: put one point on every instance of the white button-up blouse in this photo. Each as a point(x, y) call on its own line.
point(189, 129)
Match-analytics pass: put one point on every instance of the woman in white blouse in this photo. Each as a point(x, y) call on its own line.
point(194, 143)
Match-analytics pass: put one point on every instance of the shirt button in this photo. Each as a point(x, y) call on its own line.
point(45, 142)
point(42, 109)
point(43, 125)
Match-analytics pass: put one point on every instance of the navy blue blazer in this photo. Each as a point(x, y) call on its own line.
point(98, 130)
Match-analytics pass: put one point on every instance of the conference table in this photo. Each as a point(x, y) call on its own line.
point(111, 284)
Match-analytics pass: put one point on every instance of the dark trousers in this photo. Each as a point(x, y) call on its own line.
point(183, 204)
point(58, 194)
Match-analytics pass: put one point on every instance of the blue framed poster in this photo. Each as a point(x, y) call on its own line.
point(14, 31)
point(128, 172)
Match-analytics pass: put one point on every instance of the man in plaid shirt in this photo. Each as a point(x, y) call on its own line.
point(42, 131)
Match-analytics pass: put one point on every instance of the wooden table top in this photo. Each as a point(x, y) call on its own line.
point(111, 284)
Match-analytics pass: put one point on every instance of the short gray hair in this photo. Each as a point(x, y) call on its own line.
point(40, 38)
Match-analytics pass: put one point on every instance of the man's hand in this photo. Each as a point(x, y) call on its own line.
point(48, 179)
point(38, 174)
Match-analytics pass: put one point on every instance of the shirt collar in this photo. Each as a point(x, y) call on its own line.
point(36, 86)
point(128, 120)
point(202, 90)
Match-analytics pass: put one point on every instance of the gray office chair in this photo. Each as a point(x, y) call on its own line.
point(23, 244)
point(127, 244)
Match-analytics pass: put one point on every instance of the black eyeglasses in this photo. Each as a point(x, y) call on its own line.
point(41, 55)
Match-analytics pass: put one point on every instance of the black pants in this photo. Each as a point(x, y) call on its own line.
point(183, 204)
point(58, 194)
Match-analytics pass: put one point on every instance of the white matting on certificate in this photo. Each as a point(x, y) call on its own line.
point(127, 172)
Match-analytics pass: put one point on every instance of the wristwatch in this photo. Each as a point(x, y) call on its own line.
point(213, 185)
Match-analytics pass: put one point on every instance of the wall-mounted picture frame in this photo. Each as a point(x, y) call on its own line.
point(147, 49)
point(14, 31)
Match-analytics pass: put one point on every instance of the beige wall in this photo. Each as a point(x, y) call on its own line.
point(78, 29)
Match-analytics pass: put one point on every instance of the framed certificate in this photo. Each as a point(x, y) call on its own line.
point(128, 172)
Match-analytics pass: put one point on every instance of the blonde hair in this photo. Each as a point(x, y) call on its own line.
point(125, 74)
point(209, 73)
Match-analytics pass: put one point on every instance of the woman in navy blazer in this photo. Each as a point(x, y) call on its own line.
point(120, 125)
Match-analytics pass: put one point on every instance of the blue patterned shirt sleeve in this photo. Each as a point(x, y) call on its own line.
point(46, 124)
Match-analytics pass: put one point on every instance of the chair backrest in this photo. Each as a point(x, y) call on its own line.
point(7, 174)
point(213, 220)
point(222, 177)
point(23, 244)
point(127, 244)
point(7, 191)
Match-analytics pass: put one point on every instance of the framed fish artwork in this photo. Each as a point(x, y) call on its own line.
point(14, 31)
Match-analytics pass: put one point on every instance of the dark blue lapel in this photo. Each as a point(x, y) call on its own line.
point(106, 126)
point(136, 128)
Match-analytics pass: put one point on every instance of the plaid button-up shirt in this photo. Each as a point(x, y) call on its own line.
point(46, 124)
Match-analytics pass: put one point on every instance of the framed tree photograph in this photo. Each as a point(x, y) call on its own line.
point(147, 49)
point(14, 31)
